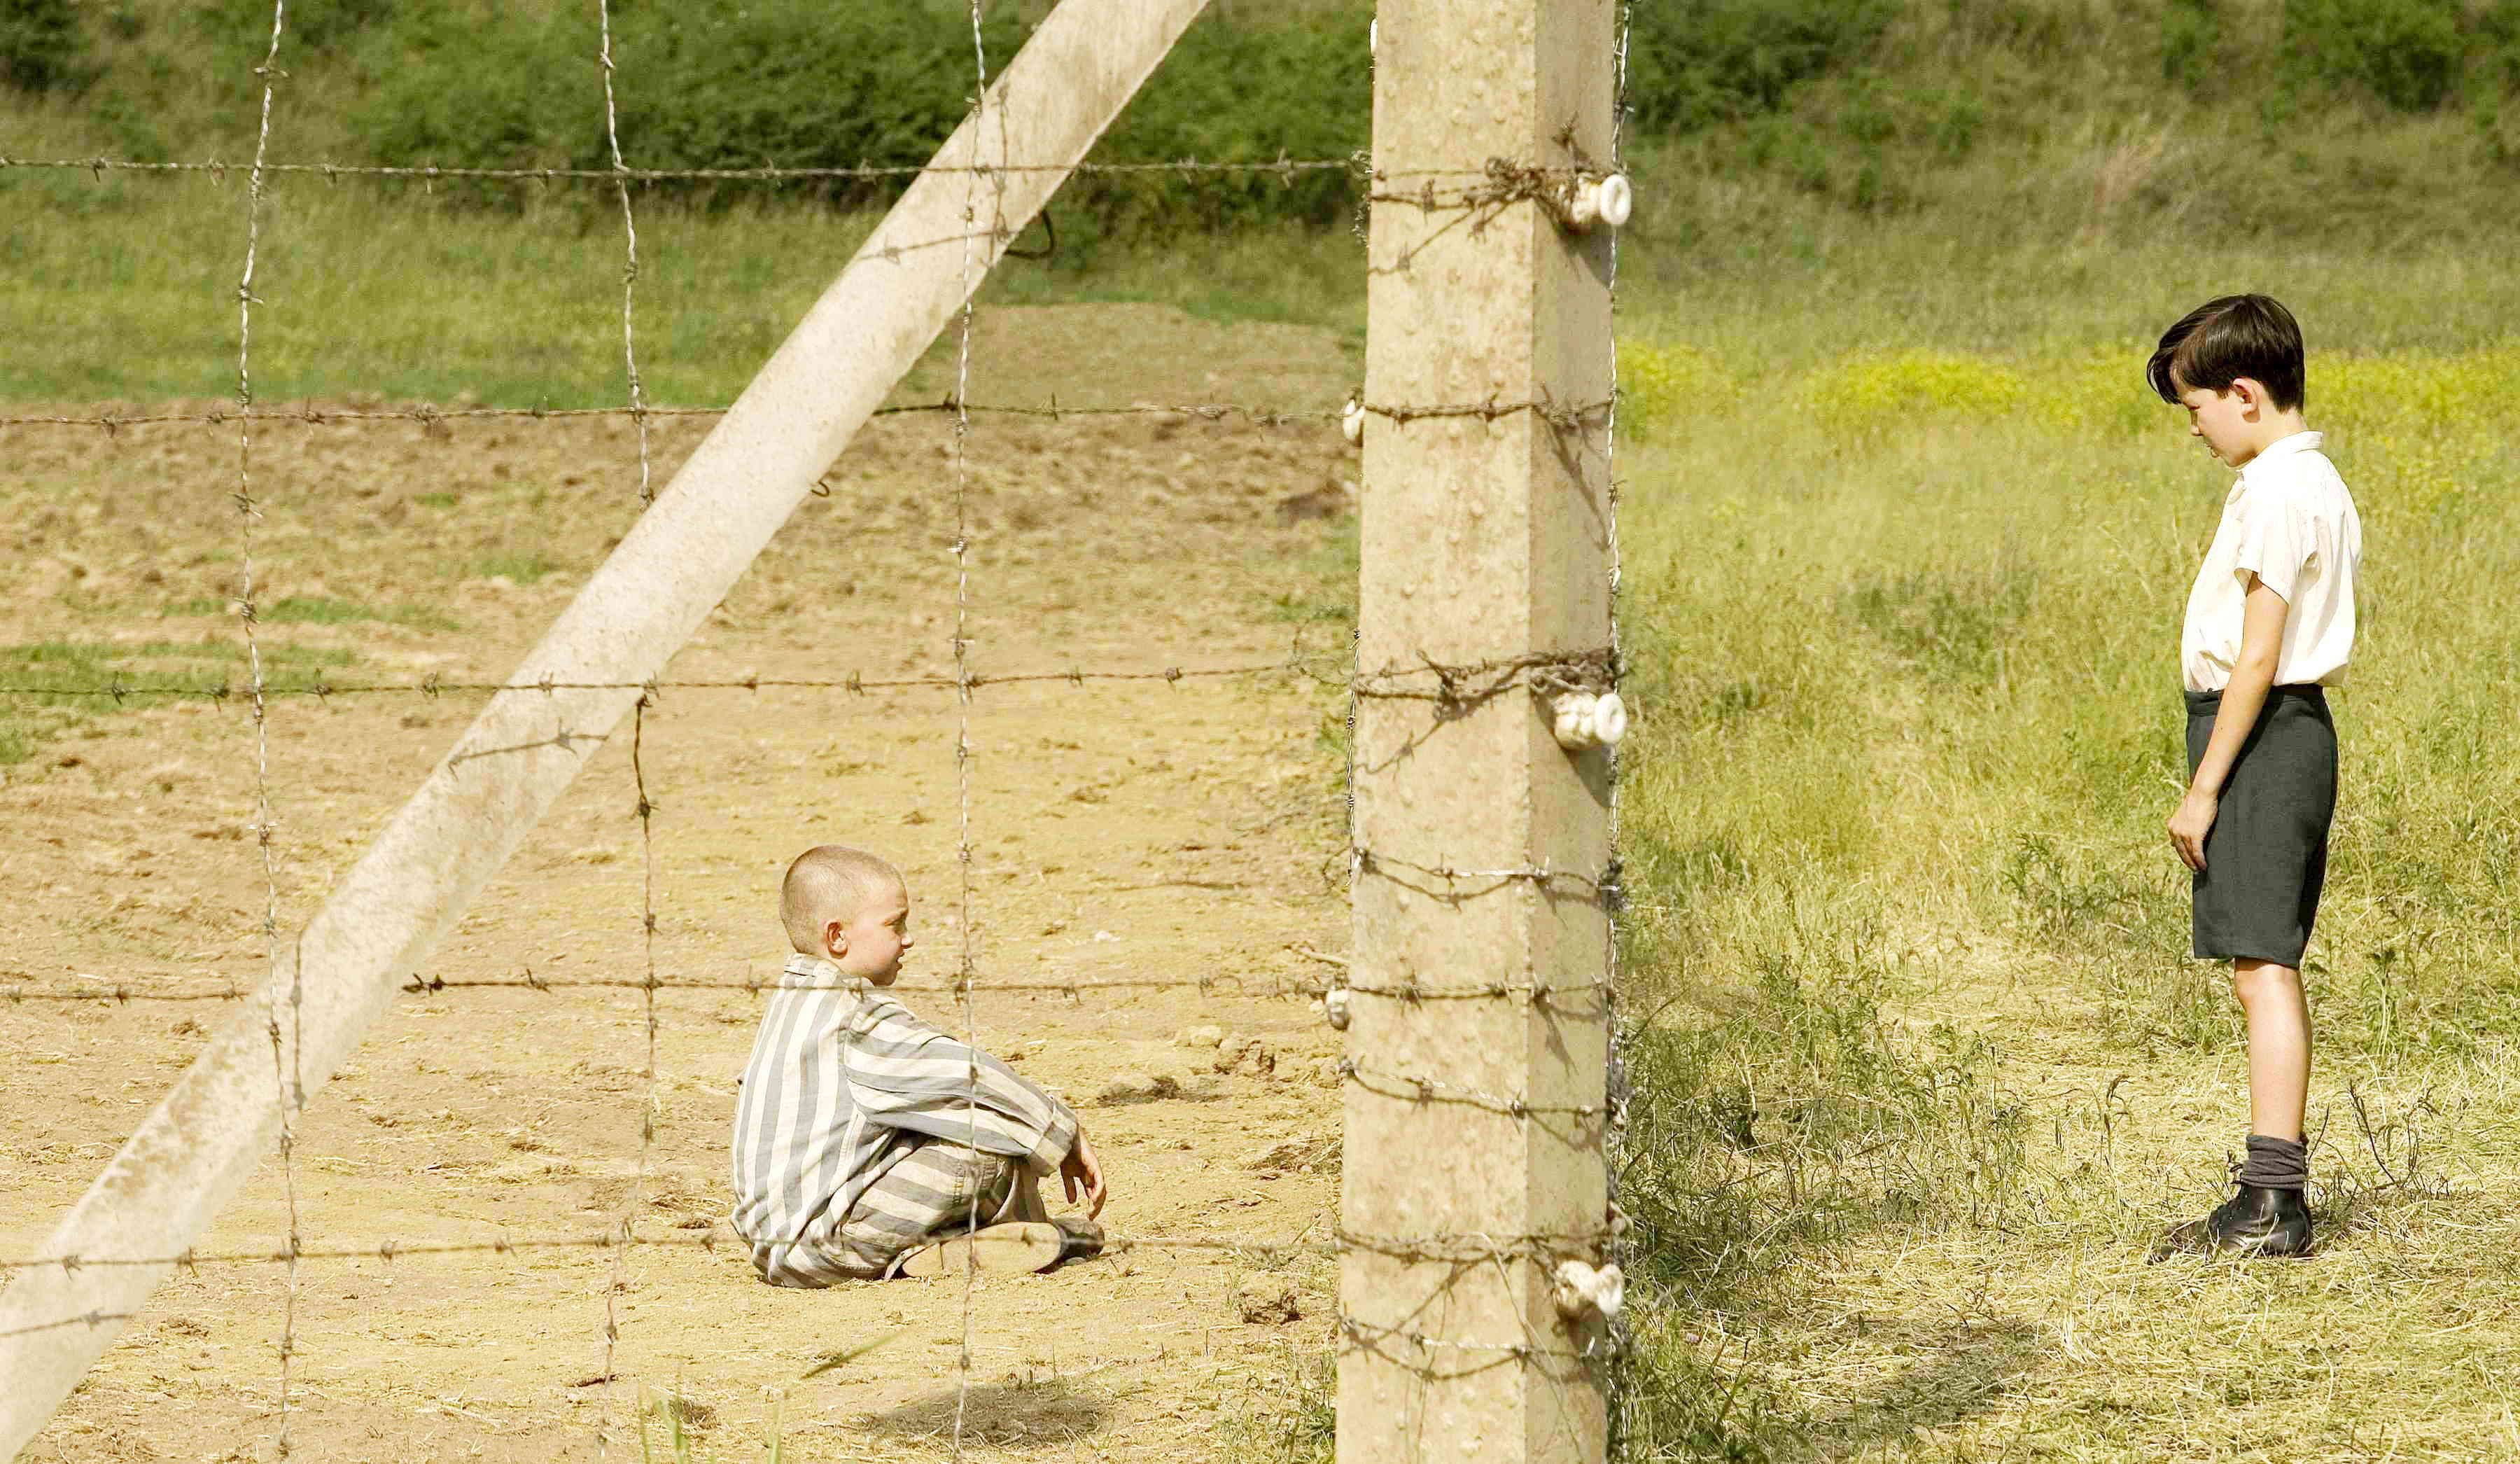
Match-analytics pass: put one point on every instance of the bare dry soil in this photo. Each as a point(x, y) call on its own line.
point(1120, 831)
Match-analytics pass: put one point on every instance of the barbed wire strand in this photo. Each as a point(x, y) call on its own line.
point(966, 969)
point(1567, 416)
point(618, 1278)
point(630, 244)
point(1360, 227)
point(1445, 1246)
point(1282, 164)
point(428, 414)
point(1615, 1075)
point(285, 1074)
point(120, 992)
point(433, 685)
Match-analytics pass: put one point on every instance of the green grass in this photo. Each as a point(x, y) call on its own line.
point(375, 290)
point(64, 685)
point(318, 609)
point(1287, 1415)
point(1326, 592)
point(522, 568)
point(1928, 1065)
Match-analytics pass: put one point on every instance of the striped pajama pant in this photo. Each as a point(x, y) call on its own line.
point(933, 1190)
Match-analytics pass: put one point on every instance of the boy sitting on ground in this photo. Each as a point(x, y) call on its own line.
point(868, 1143)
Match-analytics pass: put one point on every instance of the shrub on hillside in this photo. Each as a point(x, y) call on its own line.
point(41, 48)
point(1299, 86)
point(2408, 53)
point(245, 25)
point(803, 84)
point(1662, 386)
point(703, 86)
point(2189, 29)
point(1694, 63)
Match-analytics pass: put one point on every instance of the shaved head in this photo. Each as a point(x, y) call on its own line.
point(830, 882)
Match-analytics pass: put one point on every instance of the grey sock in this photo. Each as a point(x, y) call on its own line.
point(2276, 1163)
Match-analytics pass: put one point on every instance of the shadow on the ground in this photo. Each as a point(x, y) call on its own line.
point(1005, 1415)
point(1962, 1371)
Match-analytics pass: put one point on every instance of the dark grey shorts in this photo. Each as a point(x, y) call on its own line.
point(2266, 856)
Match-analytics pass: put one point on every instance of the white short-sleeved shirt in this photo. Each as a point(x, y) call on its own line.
point(2290, 521)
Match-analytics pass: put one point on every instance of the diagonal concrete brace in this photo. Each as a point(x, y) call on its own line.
point(192, 1152)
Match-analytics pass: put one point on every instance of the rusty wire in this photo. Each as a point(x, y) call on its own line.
point(1538, 993)
point(1563, 416)
point(435, 686)
point(1452, 1247)
point(1545, 672)
point(1483, 183)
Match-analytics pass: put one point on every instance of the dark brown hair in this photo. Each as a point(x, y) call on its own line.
point(2226, 339)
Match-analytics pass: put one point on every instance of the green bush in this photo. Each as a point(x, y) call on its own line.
point(1299, 86)
point(696, 87)
point(801, 84)
point(1696, 63)
point(2188, 31)
point(41, 47)
point(2408, 53)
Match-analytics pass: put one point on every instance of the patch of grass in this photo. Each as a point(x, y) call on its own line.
point(323, 610)
point(521, 569)
point(317, 610)
point(679, 1425)
point(1768, 598)
point(1773, 1115)
point(1327, 594)
point(61, 686)
point(1304, 612)
point(434, 500)
point(1892, 822)
point(1952, 628)
point(1288, 1414)
point(367, 272)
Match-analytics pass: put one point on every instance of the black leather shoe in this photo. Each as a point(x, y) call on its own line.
point(1079, 1239)
point(2254, 1222)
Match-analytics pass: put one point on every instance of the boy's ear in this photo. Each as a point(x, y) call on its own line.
point(2251, 392)
point(835, 936)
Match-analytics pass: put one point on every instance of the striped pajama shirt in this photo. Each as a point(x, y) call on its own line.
point(862, 1132)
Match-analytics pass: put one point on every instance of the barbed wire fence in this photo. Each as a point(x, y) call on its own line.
point(1477, 192)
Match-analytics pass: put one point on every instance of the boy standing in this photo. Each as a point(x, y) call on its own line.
point(869, 1144)
point(2269, 626)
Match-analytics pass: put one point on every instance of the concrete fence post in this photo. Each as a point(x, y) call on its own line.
point(1475, 1127)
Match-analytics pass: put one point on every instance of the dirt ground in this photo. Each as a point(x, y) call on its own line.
point(1122, 831)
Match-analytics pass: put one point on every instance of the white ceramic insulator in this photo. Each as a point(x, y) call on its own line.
point(1610, 719)
point(1334, 1008)
point(1585, 1289)
point(1614, 199)
point(1582, 721)
point(1352, 423)
point(1570, 720)
point(1600, 200)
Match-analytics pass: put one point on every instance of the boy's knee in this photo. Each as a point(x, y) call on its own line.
point(2255, 980)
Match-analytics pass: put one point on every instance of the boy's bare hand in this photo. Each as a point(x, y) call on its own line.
point(2190, 824)
point(1082, 1173)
